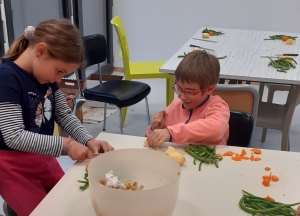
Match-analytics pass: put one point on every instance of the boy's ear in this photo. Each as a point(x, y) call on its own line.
point(211, 88)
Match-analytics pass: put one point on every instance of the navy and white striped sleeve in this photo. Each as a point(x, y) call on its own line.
point(16, 137)
point(69, 122)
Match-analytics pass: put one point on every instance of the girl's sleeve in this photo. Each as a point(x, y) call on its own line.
point(69, 122)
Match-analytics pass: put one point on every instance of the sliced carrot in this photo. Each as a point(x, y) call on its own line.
point(267, 177)
point(275, 178)
point(225, 154)
point(211, 33)
point(270, 198)
point(102, 181)
point(243, 152)
point(230, 153)
point(218, 155)
point(284, 38)
point(87, 166)
point(257, 151)
point(257, 159)
point(238, 159)
point(237, 155)
point(266, 182)
point(233, 158)
point(267, 168)
point(245, 158)
point(252, 157)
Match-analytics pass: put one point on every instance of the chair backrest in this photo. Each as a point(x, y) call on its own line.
point(95, 49)
point(240, 129)
point(122, 42)
point(243, 98)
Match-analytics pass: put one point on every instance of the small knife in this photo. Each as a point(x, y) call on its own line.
point(285, 54)
point(191, 45)
point(205, 40)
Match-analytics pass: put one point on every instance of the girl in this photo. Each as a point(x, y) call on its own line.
point(196, 116)
point(30, 102)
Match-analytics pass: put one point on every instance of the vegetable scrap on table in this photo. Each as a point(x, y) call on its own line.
point(212, 32)
point(268, 178)
point(243, 155)
point(288, 39)
point(283, 64)
point(86, 180)
point(203, 154)
point(265, 206)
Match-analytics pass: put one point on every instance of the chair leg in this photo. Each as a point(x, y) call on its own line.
point(124, 113)
point(121, 120)
point(169, 91)
point(264, 134)
point(147, 109)
point(105, 110)
point(285, 141)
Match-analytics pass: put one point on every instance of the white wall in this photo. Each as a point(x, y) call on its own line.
point(156, 29)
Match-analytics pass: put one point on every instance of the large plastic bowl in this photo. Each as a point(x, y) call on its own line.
point(156, 171)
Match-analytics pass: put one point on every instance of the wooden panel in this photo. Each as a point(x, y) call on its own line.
point(237, 100)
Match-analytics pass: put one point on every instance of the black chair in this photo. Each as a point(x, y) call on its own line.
point(122, 93)
point(240, 128)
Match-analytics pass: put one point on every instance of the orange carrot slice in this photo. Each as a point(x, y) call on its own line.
point(257, 159)
point(243, 152)
point(225, 154)
point(267, 168)
point(252, 157)
point(270, 198)
point(230, 153)
point(256, 151)
point(218, 155)
point(233, 158)
point(102, 181)
point(266, 182)
point(87, 166)
point(275, 178)
point(245, 158)
point(238, 159)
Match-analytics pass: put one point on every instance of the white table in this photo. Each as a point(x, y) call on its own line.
point(209, 192)
point(243, 49)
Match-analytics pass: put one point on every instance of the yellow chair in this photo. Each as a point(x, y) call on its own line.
point(140, 70)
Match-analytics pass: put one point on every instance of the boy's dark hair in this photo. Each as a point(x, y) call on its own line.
point(61, 36)
point(199, 67)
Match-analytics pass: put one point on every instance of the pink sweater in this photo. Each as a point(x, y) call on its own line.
point(207, 124)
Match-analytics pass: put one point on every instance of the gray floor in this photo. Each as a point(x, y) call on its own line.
point(136, 122)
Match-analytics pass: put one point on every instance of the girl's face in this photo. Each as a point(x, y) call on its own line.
point(191, 94)
point(48, 70)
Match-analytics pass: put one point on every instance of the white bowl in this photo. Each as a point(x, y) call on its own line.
point(156, 171)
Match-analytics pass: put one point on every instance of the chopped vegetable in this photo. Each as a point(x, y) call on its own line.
point(215, 33)
point(284, 38)
point(256, 151)
point(86, 180)
point(203, 154)
point(211, 33)
point(290, 41)
point(282, 64)
point(205, 35)
point(280, 37)
point(175, 155)
point(275, 178)
point(265, 206)
point(257, 159)
point(267, 168)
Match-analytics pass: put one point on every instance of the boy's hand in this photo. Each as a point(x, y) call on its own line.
point(158, 137)
point(158, 120)
point(97, 146)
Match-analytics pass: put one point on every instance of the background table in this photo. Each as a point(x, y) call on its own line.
point(211, 191)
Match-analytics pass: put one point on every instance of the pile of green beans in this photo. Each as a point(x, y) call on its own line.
point(257, 205)
point(216, 33)
point(85, 181)
point(203, 154)
point(283, 64)
point(279, 37)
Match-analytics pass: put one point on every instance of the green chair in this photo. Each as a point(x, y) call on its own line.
point(140, 70)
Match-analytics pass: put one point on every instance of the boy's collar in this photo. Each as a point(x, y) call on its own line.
point(200, 105)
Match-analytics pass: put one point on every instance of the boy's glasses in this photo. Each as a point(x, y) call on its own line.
point(188, 93)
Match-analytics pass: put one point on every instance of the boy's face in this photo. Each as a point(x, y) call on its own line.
point(196, 95)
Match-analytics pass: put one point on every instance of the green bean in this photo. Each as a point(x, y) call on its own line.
point(283, 64)
point(80, 181)
point(84, 186)
point(207, 160)
point(200, 164)
point(258, 205)
point(222, 57)
point(85, 182)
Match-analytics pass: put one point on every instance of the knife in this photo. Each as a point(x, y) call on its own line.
point(191, 45)
point(205, 40)
point(279, 56)
point(286, 54)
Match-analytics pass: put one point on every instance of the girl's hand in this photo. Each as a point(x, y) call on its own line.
point(298, 210)
point(158, 137)
point(76, 151)
point(97, 146)
point(158, 120)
